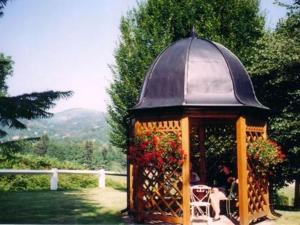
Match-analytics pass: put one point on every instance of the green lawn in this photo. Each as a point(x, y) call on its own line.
point(87, 206)
point(288, 218)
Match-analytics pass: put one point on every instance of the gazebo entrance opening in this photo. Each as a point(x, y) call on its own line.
point(214, 158)
point(213, 145)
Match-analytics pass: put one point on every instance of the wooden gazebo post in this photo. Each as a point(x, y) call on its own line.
point(242, 170)
point(186, 170)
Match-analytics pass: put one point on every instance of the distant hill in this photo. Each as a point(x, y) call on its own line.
point(79, 124)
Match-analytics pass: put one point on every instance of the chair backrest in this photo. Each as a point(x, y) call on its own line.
point(200, 193)
point(232, 191)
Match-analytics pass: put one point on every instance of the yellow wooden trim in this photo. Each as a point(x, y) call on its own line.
point(266, 196)
point(242, 170)
point(254, 129)
point(265, 135)
point(257, 215)
point(131, 203)
point(186, 170)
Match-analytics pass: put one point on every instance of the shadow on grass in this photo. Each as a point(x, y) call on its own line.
point(286, 208)
point(46, 207)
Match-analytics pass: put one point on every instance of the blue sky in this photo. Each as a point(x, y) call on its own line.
point(68, 44)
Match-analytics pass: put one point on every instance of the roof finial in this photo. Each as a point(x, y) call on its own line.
point(193, 33)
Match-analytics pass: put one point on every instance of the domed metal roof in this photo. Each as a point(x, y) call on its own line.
point(197, 72)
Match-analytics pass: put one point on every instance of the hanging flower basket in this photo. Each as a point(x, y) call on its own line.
point(265, 153)
point(158, 150)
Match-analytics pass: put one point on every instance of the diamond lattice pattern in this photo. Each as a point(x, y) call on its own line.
point(257, 181)
point(161, 190)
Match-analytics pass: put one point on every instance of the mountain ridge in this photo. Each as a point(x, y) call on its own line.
point(75, 123)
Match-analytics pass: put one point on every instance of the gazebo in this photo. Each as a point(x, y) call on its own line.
point(192, 85)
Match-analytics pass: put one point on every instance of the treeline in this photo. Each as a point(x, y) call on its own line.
point(89, 154)
point(41, 182)
point(48, 153)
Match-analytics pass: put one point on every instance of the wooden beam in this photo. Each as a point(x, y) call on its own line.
point(130, 202)
point(242, 170)
point(186, 170)
point(266, 195)
point(130, 186)
point(137, 204)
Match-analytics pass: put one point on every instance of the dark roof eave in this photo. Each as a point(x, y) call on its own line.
point(226, 107)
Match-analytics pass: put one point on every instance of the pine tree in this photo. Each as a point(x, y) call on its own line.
point(26, 106)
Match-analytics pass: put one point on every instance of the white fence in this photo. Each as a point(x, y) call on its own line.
point(54, 174)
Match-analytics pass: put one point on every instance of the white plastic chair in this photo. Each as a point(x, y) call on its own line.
point(200, 205)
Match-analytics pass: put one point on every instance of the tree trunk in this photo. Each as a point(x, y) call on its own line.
point(272, 200)
point(297, 193)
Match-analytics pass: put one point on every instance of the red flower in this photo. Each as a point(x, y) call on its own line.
point(181, 151)
point(157, 150)
point(155, 140)
point(143, 146)
point(180, 162)
point(132, 150)
point(173, 144)
point(281, 155)
point(160, 161)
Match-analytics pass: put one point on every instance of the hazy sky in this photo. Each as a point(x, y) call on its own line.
point(68, 44)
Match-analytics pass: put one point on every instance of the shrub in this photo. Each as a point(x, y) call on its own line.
point(281, 200)
point(42, 182)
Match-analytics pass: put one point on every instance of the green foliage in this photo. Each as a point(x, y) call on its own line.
point(5, 71)
point(2, 4)
point(88, 155)
point(42, 146)
point(102, 156)
point(281, 200)
point(275, 73)
point(41, 182)
point(265, 153)
point(154, 24)
point(9, 148)
point(26, 106)
point(220, 150)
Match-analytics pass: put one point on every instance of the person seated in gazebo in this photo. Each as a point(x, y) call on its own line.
point(219, 193)
point(194, 179)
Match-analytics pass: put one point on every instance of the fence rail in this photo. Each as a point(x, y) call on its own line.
point(54, 174)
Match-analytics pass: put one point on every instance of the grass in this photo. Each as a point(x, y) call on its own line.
point(116, 182)
point(289, 192)
point(288, 218)
point(87, 206)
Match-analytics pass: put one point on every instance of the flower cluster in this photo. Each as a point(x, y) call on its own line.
point(157, 150)
point(266, 152)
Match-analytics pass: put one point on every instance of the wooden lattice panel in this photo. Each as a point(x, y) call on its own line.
point(257, 181)
point(160, 192)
